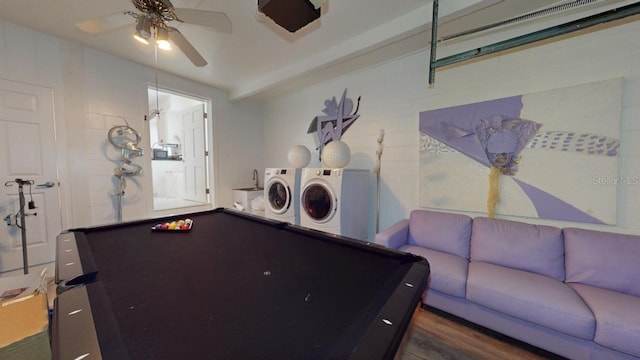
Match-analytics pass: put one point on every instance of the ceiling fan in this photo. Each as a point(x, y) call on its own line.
point(152, 23)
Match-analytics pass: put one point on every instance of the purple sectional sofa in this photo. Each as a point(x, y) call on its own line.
point(573, 292)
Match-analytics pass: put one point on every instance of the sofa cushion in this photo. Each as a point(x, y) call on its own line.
point(531, 297)
point(617, 317)
point(603, 259)
point(535, 248)
point(440, 231)
point(448, 272)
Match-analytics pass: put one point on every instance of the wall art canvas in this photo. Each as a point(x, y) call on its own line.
point(564, 162)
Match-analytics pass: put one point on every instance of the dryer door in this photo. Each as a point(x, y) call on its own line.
point(318, 202)
point(279, 196)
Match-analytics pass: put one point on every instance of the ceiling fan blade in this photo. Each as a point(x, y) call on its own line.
point(106, 23)
point(177, 38)
point(216, 20)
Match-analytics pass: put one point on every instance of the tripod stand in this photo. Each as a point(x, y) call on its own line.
point(21, 213)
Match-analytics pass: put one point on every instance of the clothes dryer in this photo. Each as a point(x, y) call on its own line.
point(335, 201)
point(282, 194)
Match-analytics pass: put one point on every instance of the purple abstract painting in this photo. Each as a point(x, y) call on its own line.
point(554, 147)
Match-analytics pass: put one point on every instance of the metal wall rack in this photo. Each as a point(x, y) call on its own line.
point(569, 27)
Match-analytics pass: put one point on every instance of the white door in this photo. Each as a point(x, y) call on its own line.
point(27, 152)
point(193, 154)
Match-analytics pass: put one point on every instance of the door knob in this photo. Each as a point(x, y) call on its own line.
point(48, 184)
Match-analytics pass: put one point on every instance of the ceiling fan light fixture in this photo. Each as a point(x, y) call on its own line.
point(143, 30)
point(163, 45)
point(162, 39)
point(139, 37)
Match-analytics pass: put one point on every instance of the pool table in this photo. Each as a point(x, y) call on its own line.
point(234, 286)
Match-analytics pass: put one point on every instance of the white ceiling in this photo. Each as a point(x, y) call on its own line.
point(260, 57)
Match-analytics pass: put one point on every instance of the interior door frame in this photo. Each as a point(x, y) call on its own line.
point(209, 146)
point(58, 177)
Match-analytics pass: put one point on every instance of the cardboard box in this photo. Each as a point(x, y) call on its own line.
point(24, 328)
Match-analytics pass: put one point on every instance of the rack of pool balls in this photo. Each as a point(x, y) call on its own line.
point(179, 225)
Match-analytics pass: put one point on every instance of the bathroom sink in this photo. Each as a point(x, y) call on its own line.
point(242, 197)
point(250, 189)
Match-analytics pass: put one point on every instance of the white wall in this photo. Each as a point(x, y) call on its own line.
point(94, 91)
point(91, 89)
point(394, 93)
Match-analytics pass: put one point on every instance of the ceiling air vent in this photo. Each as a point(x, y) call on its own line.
point(291, 14)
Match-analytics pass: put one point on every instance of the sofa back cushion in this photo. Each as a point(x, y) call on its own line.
point(528, 247)
point(440, 231)
point(603, 259)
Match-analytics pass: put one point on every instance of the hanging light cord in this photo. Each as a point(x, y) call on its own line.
point(155, 51)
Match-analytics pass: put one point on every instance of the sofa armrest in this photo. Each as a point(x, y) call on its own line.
point(394, 236)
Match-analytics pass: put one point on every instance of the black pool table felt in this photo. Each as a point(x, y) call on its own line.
point(247, 290)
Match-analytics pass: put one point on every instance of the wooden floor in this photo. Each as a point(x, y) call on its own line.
point(434, 337)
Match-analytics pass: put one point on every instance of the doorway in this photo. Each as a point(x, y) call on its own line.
point(179, 150)
point(28, 153)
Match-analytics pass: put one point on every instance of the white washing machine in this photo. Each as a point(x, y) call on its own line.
point(335, 201)
point(282, 194)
